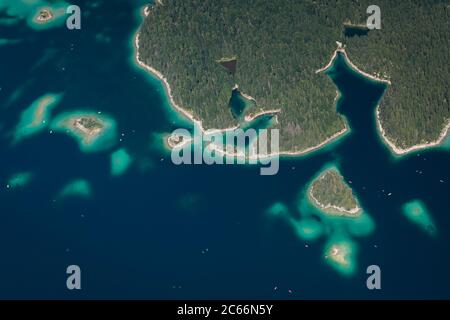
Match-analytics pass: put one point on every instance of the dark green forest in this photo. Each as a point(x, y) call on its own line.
point(330, 188)
point(413, 48)
point(280, 44)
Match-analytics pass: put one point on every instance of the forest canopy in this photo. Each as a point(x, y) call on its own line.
point(279, 46)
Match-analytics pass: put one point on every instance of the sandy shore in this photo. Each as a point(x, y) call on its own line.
point(199, 124)
point(251, 117)
point(397, 150)
point(246, 96)
point(401, 151)
point(286, 153)
point(320, 145)
point(341, 49)
point(145, 12)
point(348, 213)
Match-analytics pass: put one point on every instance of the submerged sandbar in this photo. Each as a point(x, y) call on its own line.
point(416, 212)
point(36, 117)
point(340, 254)
point(76, 188)
point(120, 162)
point(19, 180)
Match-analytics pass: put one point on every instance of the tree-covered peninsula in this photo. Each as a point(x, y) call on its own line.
point(277, 48)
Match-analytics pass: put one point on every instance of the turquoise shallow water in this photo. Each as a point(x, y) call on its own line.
point(157, 230)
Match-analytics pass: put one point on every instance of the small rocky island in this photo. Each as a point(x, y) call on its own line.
point(44, 15)
point(93, 131)
point(88, 126)
point(177, 140)
point(331, 194)
point(174, 140)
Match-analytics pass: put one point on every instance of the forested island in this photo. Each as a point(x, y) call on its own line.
point(331, 194)
point(273, 49)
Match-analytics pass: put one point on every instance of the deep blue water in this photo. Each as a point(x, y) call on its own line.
point(145, 234)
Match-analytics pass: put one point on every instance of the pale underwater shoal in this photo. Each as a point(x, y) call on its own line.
point(29, 10)
point(120, 162)
point(308, 228)
point(311, 224)
point(76, 188)
point(278, 209)
point(340, 252)
point(417, 213)
point(5, 41)
point(446, 144)
point(19, 180)
point(307, 208)
point(36, 117)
